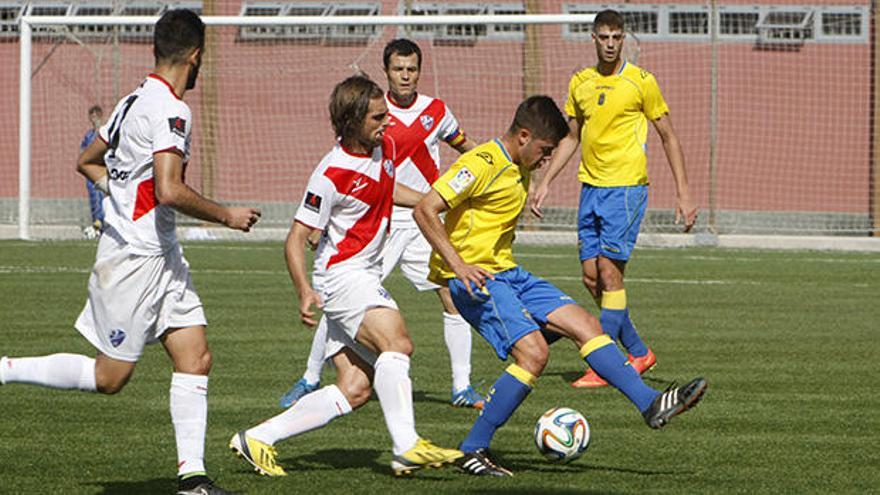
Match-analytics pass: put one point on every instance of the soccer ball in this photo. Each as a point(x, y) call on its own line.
point(562, 434)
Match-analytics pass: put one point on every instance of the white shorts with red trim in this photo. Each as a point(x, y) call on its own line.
point(408, 248)
point(353, 294)
point(134, 299)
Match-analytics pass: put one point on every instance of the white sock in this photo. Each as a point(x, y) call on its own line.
point(394, 389)
point(457, 333)
point(189, 414)
point(316, 355)
point(312, 411)
point(64, 371)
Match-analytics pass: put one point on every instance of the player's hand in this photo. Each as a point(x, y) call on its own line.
point(307, 300)
point(242, 217)
point(473, 277)
point(536, 199)
point(686, 209)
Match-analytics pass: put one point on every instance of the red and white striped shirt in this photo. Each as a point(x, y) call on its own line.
point(349, 196)
point(417, 131)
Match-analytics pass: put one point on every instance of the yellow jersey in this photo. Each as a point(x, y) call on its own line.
point(614, 111)
point(486, 193)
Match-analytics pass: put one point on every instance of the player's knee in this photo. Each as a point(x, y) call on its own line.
point(355, 388)
point(403, 345)
point(533, 357)
point(195, 364)
point(109, 385)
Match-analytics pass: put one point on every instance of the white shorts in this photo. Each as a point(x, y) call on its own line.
point(408, 248)
point(346, 300)
point(134, 299)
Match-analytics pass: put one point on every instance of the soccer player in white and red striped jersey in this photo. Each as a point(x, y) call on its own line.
point(418, 124)
point(140, 290)
point(349, 198)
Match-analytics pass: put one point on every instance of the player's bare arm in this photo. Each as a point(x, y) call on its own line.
point(295, 255)
point(427, 216)
point(172, 191)
point(406, 196)
point(561, 157)
point(686, 207)
point(91, 164)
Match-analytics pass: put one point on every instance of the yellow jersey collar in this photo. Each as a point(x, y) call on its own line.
point(503, 149)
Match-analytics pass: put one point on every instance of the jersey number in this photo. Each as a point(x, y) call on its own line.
point(601, 99)
point(114, 129)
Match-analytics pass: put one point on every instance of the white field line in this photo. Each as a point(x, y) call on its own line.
point(573, 255)
point(648, 254)
point(11, 269)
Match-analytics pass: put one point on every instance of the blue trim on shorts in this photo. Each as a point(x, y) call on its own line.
point(510, 307)
point(609, 219)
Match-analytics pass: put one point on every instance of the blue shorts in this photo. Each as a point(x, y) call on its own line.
point(609, 220)
point(513, 305)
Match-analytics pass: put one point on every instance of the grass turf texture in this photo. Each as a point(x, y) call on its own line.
point(787, 340)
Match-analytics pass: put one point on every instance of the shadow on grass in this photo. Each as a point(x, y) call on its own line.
point(520, 462)
point(333, 459)
point(159, 485)
point(420, 396)
point(537, 491)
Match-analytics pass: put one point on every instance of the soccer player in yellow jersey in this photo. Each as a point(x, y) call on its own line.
point(519, 314)
point(609, 107)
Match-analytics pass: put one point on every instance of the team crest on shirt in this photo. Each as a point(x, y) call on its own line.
point(388, 165)
point(427, 122)
point(486, 156)
point(384, 293)
point(117, 336)
point(461, 181)
point(312, 202)
point(177, 126)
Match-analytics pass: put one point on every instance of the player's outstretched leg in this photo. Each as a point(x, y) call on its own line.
point(674, 401)
point(657, 408)
point(313, 411)
point(311, 379)
point(457, 334)
point(60, 371)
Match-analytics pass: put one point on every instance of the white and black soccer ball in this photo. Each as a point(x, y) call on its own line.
point(562, 434)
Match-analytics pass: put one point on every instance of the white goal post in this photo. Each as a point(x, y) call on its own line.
point(29, 22)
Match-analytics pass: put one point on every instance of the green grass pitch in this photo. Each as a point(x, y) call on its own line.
point(788, 341)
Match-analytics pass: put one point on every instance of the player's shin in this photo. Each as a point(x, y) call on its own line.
point(61, 371)
point(613, 312)
point(394, 389)
point(189, 414)
point(630, 339)
point(312, 411)
point(605, 358)
point(457, 334)
point(505, 396)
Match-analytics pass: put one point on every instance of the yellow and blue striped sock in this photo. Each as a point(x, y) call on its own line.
point(613, 312)
point(505, 396)
point(606, 360)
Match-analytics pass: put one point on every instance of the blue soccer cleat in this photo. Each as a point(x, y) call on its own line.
point(467, 397)
point(296, 392)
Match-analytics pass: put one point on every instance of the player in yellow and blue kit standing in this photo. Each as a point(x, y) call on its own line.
point(483, 195)
point(609, 107)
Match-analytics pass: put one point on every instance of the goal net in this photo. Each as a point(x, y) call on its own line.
point(773, 108)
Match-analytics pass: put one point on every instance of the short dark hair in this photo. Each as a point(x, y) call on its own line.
point(402, 47)
point(177, 32)
point(610, 18)
point(349, 104)
point(96, 109)
point(540, 115)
